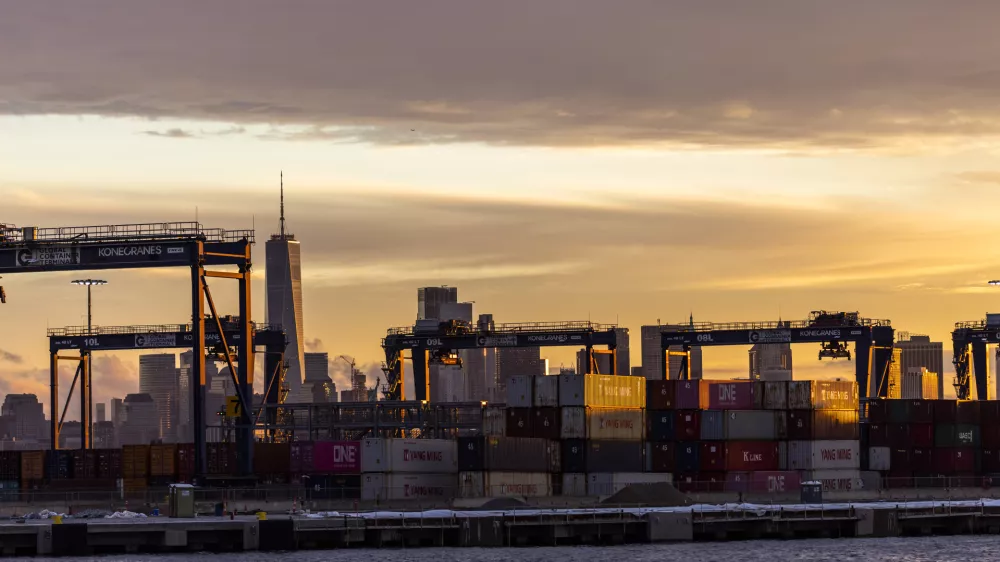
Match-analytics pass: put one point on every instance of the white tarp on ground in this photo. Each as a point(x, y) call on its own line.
point(757, 509)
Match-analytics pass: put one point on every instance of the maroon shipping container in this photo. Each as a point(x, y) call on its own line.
point(731, 395)
point(687, 425)
point(921, 435)
point(899, 457)
point(955, 461)
point(221, 459)
point(823, 425)
point(738, 482)
point(272, 460)
point(989, 413)
point(878, 435)
point(546, 423)
point(712, 456)
point(751, 455)
point(518, 422)
point(691, 395)
point(185, 462)
point(898, 434)
point(922, 411)
point(954, 411)
point(660, 395)
point(660, 457)
point(301, 458)
point(899, 479)
point(109, 464)
point(85, 464)
point(989, 435)
point(991, 461)
point(878, 412)
point(921, 460)
point(775, 481)
point(701, 482)
point(337, 457)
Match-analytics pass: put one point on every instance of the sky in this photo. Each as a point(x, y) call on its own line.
point(558, 160)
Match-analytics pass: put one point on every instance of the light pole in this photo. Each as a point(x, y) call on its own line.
point(89, 283)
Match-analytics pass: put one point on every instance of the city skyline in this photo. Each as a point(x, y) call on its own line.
point(630, 179)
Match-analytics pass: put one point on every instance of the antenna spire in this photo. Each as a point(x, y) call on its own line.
point(282, 203)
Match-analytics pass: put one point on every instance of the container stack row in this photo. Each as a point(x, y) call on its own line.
point(744, 436)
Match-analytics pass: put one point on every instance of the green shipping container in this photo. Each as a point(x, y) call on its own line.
point(956, 435)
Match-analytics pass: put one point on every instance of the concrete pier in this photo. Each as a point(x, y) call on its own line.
point(607, 526)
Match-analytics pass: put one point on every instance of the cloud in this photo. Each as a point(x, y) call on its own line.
point(171, 133)
point(10, 357)
point(563, 72)
point(315, 344)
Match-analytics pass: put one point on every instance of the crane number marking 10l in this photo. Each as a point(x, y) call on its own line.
point(91, 342)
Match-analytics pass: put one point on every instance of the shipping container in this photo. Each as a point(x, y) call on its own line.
point(602, 391)
point(33, 465)
point(823, 395)
point(823, 425)
point(990, 462)
point(660, 457)
point(546, 423)
point(750, 425)
point(573, 422)
point(957, 412)
point(844, 480)
point(880, 458)
point(691, 395)
point(878, 435)
point(85, 464)
point(519, 391)
point(953, 460)
point(749, 456)
point(546, 392)
point(660, 425)
point(774, 481)
point(738, 482)
point(910, 435)
point(956, 435)
point(273, 460)
point(135, 461)
point(389, 486)
point(109, 464)
point(989, 413)
point(989, 435)
point(495, 421)
point(504, 484)
point(687, 459)
point(712, 457)
point(10, 490)
point(967, 412)
point(877, 411)
point(921, 411)
point(614, 456)
point(921, 460)
point(332, 486)
point(701, 482)
point(506, 454)
point(431, 456)
point(782, 455)
point(775, 395)
point(610, 483)
point(731, 395)
point(660, 394)
point(687, 425)
point(221, 459)
point(574, 455)
point(871, 480)
point(163, 460)
point(10, 466)
point(185, 462)
point(823, 455)
point(713, 425)
point(518, 422)
point(302, 458)
point(898, 479)
point(59, 465)
point(607, 424)
point(900, 458)
point(574, 484)
point(340, 457)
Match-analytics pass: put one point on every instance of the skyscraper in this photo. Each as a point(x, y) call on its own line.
point(430, 299)
point(317, 367)
point(29, 419)
point(653, 356)
point(765, 357)
point(102, 411)
point(919, 351)
point(158, 378)
point(284, 300)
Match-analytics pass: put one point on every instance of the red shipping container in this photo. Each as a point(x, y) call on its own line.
point(898, 434)
point(989, 435)
point(660, 395)
point(878, 412)
point(301, 458)
point(185, 462)
point(775, 482)
point(921, 435)
point(922, 411)
point(989, 413)
point(878, 435)
point(546, 423)
point(991, 461)
point(661, 457)
point(687, 425)
point(955, 461)
point(337, 457)
point(518, 423)
point(731, 395)
point(921, 460)
point(751, 456)
point(899, 457)
point(691, 395)
point(967, 411)
point(701, 482)
point(945, 411)
point(712, 457)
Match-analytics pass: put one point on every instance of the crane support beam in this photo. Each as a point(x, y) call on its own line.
point(969, 345)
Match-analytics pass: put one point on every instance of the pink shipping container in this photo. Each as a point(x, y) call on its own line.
point(775, 482)
point(751, 455)
point(731, 395)
point(687, 425)
point(337, 457)
point(301, 458)
point(691, 395)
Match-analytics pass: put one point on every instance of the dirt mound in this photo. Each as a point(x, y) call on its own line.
point(489, 504)
point(658, 495)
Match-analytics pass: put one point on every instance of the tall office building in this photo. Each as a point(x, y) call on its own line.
point(102, 412)
point(142, 420)
point(653, 356)
point(919, 351)
point(624, 358)
point(317, 367)
point(158, 378)
point(27, 415)
point(770, 357)
point(919, 384)
point(283, 270)
point(430, 299)
point(117, 411)
point(519, 361)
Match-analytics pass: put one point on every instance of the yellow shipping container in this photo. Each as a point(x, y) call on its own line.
point(602, 391)
point(615, 424)
point(32, 465)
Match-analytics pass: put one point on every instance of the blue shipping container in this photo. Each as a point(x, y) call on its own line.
point(688, 457)
point(660, 425)
point(713, 423)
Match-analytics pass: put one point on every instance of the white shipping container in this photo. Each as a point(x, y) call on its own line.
point(519, 391)
point(409, 455)
point(574, 484)
point(397, 486)
point(504, 484)
point(604, 391)
point(835, 480)
point(823, 455)
point(878, 458)
point(610, 483)
point(615, 424)
point(574, 423)
point(546, 392)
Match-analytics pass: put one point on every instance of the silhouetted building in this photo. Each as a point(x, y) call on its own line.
point(653, 355)
point(102, 412)
point(920, 351)
point(430, 299)
point(283, 302)
point(766, 357)
point(142, 420)
point(28, 416)
point(919, 384)
point(158, 378)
